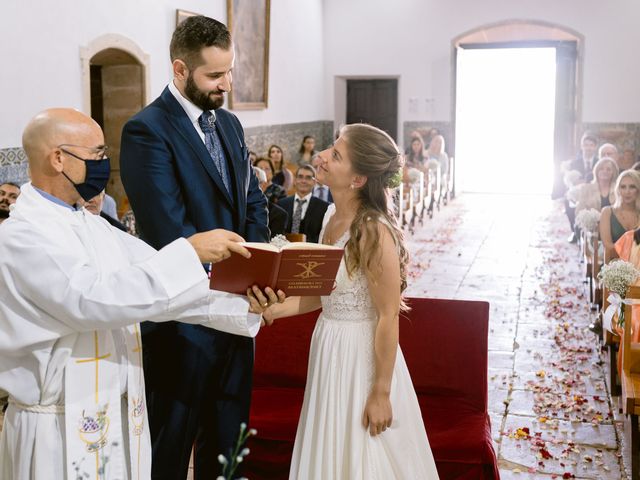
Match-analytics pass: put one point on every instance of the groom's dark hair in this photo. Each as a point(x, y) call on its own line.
point(194, 34)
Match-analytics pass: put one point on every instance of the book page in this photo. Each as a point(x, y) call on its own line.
point(309, 246)
point(261, 246)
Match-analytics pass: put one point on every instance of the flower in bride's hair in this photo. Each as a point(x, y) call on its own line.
point(394, 180)
point(279, 241)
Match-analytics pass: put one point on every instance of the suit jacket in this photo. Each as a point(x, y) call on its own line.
point(311, 224)
point(278, 219)
point(175, 190)
point(316, 193)
point(173, 186)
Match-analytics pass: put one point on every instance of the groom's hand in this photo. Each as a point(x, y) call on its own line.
point(216, 245)
point(260, 301)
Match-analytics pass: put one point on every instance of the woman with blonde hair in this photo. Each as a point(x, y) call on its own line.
point(358, 382)
point(598, 193)
point(623, 215)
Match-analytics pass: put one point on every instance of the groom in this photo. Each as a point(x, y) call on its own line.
point(185, 168)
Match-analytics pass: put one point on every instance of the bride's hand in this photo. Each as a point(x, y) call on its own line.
point(377, 416)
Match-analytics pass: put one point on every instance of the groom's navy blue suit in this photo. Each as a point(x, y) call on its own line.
point(198, 380)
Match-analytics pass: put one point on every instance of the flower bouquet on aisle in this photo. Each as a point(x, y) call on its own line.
point(617, 276)
point(588, 220)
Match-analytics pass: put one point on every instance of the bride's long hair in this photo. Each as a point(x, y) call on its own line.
point(375, 155)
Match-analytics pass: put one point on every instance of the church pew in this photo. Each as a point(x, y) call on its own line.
point(445, 346)
point(611, 341)
point(630, 379)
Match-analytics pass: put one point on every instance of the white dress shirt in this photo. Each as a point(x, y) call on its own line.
point(304, 206)
point(190, 109)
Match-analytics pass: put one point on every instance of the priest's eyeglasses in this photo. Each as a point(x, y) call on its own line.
point(97, 153)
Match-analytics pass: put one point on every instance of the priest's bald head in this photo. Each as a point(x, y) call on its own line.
point(66, 154)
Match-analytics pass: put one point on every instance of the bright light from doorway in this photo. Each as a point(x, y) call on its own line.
point(505, 100)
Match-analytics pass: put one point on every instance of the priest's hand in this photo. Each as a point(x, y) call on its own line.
point(216, 245)
point(259, 301)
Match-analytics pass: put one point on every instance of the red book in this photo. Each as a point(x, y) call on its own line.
point(298, 269)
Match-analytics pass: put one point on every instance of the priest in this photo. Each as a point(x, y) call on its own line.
point(73, 290)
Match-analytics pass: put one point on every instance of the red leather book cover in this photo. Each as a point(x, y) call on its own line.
point(299, 269)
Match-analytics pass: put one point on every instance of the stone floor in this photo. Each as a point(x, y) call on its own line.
point(551, 412)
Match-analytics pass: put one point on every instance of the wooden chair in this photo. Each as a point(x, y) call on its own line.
point(612, 341)
point(296, 237)
point(596, 266)
point(630, 379)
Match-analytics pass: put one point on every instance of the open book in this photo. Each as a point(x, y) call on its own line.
point(298, 269)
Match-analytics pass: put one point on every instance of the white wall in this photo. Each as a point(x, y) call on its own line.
point(412, 39)
point(40, 50)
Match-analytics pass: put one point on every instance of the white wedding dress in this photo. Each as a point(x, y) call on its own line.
point(331, 442)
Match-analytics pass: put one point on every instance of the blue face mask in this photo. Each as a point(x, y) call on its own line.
point(96, 178)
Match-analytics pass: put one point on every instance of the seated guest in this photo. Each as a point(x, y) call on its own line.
point(609, 150)
point(319, 190)
point(628, 159)
point(598, 193)
point(281, 174)
point(9, 193)
point(96, 206)
point(306, 152)
point(109, 206)
point(305, 211)
point(623, 215)
point(416, 157)
point(273, 192)
point(277, 216)
point(436, 152)
point(583, 166)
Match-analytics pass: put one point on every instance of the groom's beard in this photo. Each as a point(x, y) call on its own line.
point(202, 99)
point(4, 213)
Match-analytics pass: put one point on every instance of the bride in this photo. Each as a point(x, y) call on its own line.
point(360, 418)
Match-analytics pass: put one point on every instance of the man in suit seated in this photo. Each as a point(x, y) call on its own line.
point(277, 216)
point(319, 190)
point(305, 211)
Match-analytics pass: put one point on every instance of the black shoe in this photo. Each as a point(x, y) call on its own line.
point(573, 238)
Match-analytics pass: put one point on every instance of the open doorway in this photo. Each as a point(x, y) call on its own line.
point(505, 118)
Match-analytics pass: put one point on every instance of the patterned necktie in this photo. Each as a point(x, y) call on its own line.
point(322, 193)
point(212, 142)
point(297, 215)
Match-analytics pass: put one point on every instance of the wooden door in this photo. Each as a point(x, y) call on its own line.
point(374, 101)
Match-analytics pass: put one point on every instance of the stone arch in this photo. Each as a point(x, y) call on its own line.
point(569, 46)
point(116, 85)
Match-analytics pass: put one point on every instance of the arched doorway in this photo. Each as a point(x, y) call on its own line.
point(568, 46)
point(116, 81)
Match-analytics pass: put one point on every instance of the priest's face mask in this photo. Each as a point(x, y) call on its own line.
point(97, 169)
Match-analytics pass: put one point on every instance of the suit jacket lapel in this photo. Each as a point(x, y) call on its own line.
point(183, 125)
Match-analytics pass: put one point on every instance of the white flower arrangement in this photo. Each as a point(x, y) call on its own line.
point(413, 174)
point(573, 178)
point(279, 241)
point(588, 220)
point(433, 164)
point(618, 275)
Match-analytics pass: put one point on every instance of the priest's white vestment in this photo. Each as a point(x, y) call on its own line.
point(73, 290)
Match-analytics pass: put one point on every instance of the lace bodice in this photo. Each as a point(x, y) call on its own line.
point(350, 300)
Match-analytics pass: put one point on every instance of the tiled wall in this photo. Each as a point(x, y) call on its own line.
point(13, 165)
point(445, 129)
point(622, 135)
point(288, 136)
point(13, 161)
